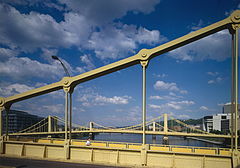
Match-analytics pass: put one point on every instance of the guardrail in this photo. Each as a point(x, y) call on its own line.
point(137, 146)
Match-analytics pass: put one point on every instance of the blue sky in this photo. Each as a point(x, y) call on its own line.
point(189, 82)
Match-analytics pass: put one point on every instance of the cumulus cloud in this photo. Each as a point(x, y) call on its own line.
point(161, 85)
point(112, 100)
point(176, 105)
point(118, 41)
point(213, 73)
point(156, 97)
point(54, 109)
point(204, 108)
point(5, 54)
point(90, 97)
point(93, 9)
point(89, 65)
point(31, 31)
point(214, 47)
point(12, 89)
point(216, 77)
point(23, 67)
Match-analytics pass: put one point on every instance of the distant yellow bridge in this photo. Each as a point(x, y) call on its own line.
point(48, 126)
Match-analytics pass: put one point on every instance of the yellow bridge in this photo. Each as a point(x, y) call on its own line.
point(49, 126)
point(126, 154)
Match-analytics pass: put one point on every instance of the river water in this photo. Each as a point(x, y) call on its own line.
point(137, 138)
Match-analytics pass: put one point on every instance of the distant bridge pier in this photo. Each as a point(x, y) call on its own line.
point(165, 129)
point(91, 126)
point(154, 126)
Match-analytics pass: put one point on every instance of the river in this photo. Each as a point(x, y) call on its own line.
point(137, 138)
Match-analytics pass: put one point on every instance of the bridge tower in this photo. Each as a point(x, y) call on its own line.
point(165, 138)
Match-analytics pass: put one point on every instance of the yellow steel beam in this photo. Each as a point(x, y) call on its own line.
point(143, 55)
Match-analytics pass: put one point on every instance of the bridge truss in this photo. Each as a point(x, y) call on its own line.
point(232, 23)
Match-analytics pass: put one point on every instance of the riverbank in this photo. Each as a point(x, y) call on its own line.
point(206, 140)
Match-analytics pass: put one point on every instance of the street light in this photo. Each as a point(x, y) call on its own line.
point(64, 67)
point(68, 107)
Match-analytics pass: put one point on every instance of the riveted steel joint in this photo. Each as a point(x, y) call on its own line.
point(2, 101)
point(144, 54)
point(235, 18)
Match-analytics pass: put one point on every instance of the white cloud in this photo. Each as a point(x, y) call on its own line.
point(214, 47)
point(204, 108)
point(12, 89)
point(160, 75)
point(54, 109)
point(161, 85)
point(86, 59)
point(112, 100)
point(213, 73)
point(211, 81)
point(23, 67)
point(154, 106)
point(118, 41)
point(112, 9)
point(7, 53)
point(176, 105)
point(156, 97)
point(183, 116)
point(33, 30)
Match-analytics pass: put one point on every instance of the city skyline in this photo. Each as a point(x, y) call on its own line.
point(189, 82)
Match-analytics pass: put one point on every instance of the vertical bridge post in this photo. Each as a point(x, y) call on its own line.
point(165, 123)
point(68, 122)
point(49, 123)
point(91, 126)
point(234, 92)
point(154, 126)
point(144, 146)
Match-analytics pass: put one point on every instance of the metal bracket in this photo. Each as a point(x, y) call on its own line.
point(2, 102)
point(235, 18)
point(68, 89)
point(144, 63)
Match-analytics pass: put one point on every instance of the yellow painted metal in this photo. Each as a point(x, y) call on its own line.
point(165, 123)
point(108, 155)
point(79, 143)
point(135, 146)
point(44, 141)
point(236, 85)
point(182, 150)
point(205, 151)
point(60, 142)
point(160, 148)
point(117, 145)
point(144, 66)
point(98, 144)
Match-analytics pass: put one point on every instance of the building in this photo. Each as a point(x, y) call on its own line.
point(219, 122)
point(18, 120)
point(227, 108)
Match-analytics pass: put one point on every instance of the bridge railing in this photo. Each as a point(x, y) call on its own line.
point(134, 146)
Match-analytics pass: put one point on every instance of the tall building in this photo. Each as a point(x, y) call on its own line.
point(221, 121)
point(18, 120)
point(227, 108)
